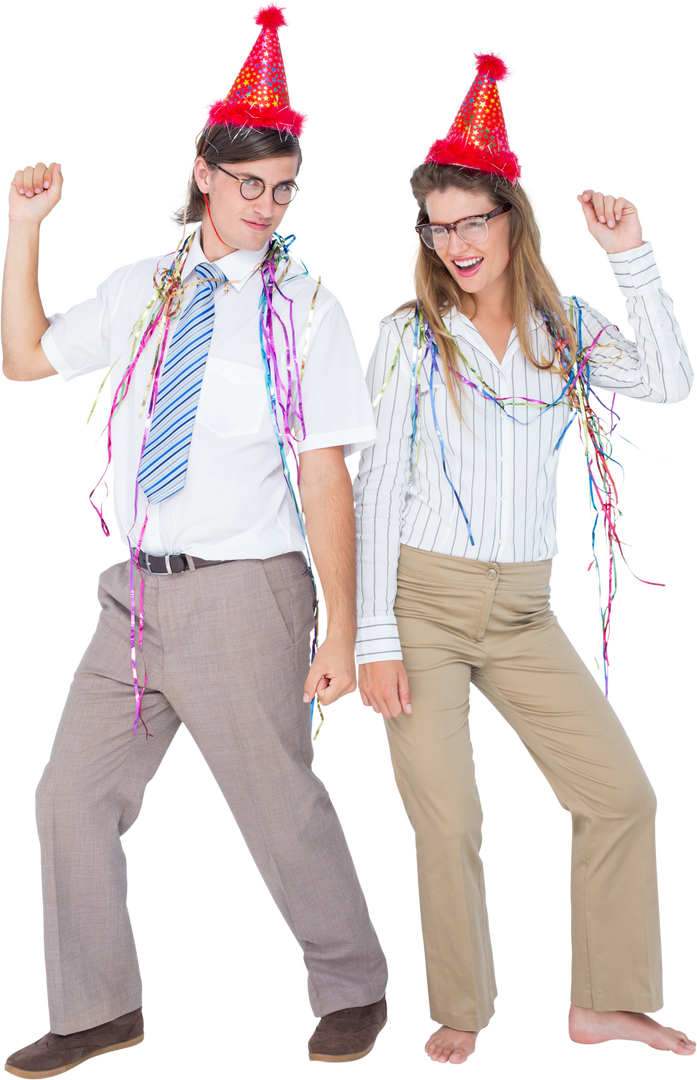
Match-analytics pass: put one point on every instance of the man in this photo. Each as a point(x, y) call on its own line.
point(239, 354)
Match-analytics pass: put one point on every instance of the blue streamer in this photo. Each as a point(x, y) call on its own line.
point(278, 252)
point(576, 394)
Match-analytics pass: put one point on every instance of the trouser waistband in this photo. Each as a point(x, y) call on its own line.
point(174, 564)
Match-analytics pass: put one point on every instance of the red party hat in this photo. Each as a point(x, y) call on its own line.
point(259, 95)
point(478, 138)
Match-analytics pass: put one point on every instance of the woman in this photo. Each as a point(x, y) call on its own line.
point(476, 385)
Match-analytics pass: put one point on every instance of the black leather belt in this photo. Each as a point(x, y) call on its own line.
point(174, 564)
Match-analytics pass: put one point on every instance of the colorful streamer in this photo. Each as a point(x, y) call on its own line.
point(576, 394)
point(155, 321)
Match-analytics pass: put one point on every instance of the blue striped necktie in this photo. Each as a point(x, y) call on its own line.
point(166, 455)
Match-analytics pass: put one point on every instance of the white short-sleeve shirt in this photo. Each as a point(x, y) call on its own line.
point(235, 503)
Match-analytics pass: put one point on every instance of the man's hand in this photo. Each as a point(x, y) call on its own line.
point(333, 671)
point(35, 192)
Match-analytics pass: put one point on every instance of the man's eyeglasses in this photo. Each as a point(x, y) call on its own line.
point(253, 188)
point(473, 229)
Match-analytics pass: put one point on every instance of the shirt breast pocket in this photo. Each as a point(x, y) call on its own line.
point(233, 398)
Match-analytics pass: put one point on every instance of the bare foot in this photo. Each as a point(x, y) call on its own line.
point(449, 1044)
point(589, 1026)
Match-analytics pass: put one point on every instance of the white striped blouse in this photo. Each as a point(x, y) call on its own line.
point(504, 470)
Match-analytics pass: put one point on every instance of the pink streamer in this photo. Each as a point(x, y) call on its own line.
point(169, 290)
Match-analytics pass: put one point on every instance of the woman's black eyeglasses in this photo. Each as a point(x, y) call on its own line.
point(472, 229)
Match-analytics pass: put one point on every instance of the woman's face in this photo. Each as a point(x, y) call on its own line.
point(475, 267)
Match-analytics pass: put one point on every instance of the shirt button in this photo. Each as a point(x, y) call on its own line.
point(491, 574)
point(504, 460)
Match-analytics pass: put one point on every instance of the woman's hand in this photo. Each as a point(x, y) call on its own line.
point(385, 686)
point(613, 222)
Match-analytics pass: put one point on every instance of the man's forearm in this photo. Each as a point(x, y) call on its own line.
point(327, 498)
point(23, 318)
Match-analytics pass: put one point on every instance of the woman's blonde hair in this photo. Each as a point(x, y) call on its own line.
point(533, 291)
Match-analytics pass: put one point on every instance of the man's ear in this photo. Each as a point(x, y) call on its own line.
point(202, 174)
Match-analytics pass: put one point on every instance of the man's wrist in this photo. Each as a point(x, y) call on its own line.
point(342, 632)
point(23, 227)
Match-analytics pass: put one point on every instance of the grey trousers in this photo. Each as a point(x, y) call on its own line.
point(460, 622)
point(208, 636)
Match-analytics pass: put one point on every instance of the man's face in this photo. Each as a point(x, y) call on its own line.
point(245, 224)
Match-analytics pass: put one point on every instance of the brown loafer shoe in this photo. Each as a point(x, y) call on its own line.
point(348, 1034)
point(55, 1054)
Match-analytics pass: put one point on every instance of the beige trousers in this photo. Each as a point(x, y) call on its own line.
point(463, 621)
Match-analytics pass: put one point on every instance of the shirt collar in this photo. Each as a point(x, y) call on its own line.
point(238, 267)
point(458, 323)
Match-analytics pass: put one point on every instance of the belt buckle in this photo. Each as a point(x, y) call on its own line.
point(158, 573)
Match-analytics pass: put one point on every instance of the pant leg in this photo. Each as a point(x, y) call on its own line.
point(496, 621)
point(441, 622)
point(239, 692)
point(90, 794)
point(537, 681)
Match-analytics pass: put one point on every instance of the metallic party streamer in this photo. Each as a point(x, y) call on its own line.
point(576, 394)
point(165, 305)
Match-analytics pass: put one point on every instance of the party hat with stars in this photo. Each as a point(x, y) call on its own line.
point(259, 95)
point(478, 138)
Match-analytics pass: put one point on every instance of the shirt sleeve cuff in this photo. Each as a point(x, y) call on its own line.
point(377, 638)
point(636, 271)
point(54, 357)
point(352, 440)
